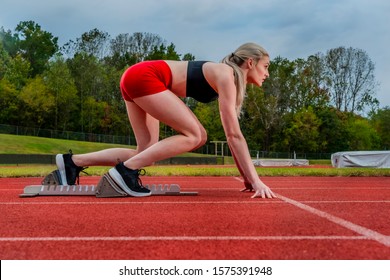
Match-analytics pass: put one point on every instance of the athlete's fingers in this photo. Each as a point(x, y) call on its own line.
point(264, 194)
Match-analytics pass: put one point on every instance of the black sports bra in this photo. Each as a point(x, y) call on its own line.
point(197, 86)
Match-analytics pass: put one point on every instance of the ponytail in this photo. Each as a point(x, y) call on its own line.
point(235, 60)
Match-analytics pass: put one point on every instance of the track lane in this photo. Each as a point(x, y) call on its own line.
point(220, 223)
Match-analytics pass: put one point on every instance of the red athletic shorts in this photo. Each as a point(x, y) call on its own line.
point(145, 78)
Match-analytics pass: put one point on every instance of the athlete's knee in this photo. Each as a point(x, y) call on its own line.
point(199, 138)
point(203, 138)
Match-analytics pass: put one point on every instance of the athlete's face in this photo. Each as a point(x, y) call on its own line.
point(258, 72)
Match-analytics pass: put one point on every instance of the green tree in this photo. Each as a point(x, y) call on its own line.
point(163, 52)
point(333, 130)
point(94, 114)
point(17, 71)
point(310, 89)
point(9, 104)
point(281, 83)
point(302, 132)
point(61, 85)
point(381, 123)
point(38, 102)
point(9, 41)
point(171, 53)
point(14, 68)
point(188, 57)
point(35, 45)
point(4, 60)
point(115, 116)
point(87, 74)
point(208, 115)
point(265, 108)
point(362, 135)
point(158, 52)
point(260, 119)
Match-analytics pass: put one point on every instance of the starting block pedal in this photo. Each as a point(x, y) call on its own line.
point(53, 178)
point(106, 187)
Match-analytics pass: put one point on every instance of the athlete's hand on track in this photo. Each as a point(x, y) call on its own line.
point(263, 191)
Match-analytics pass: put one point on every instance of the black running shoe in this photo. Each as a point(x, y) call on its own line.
point(69, 171)
point(129, 180)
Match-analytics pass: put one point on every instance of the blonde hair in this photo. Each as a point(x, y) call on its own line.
point(235, 60)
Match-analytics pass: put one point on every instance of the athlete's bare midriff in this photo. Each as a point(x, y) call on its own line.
point(179, 76)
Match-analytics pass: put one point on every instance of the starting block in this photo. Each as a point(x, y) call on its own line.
point(53, 178)
point(106, 187)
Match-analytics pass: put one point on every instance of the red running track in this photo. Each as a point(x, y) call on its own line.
point(323, 218)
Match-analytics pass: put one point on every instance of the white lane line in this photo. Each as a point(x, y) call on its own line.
point(371, 234)
point(177, 238)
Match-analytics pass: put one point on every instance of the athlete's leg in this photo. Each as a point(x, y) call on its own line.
point(146, 130)
point(107, 157)
point(70, 165)
point(169, 109)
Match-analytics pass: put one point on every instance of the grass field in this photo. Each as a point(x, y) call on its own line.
point(13, 144)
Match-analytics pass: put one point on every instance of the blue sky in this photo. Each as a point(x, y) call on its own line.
point(210, 29)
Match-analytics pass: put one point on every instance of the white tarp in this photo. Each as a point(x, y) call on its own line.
point(280, 162)
point(378, 159)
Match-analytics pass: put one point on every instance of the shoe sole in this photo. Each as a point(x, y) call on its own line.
point(121, 183)
point(61, 168)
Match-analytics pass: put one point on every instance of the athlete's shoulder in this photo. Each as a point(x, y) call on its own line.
point(221, 68)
